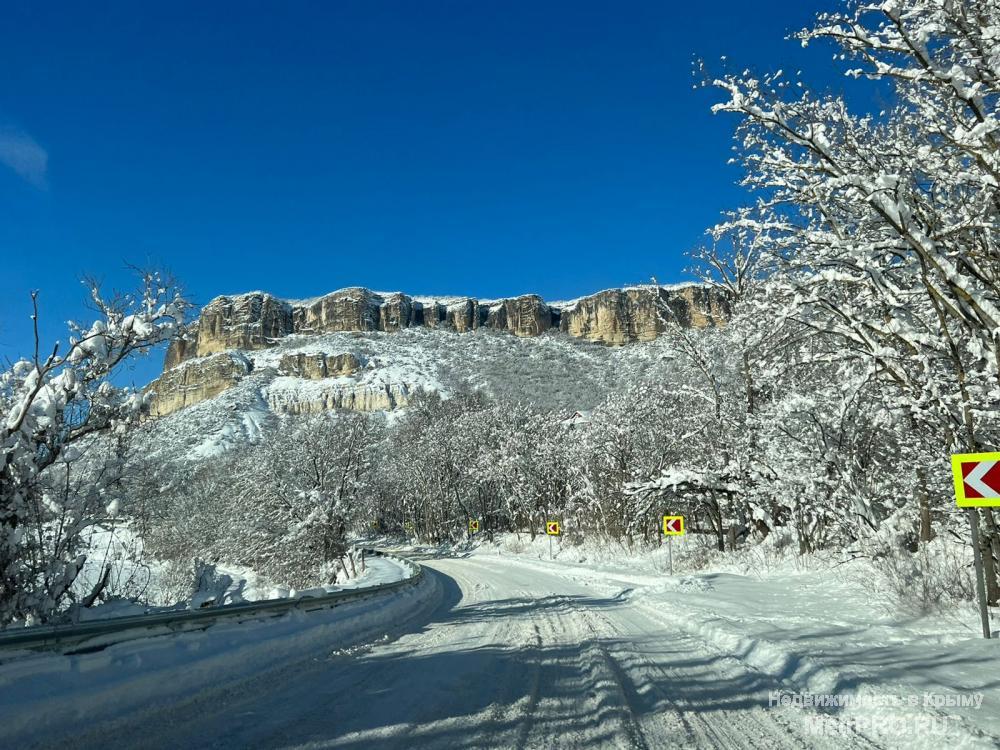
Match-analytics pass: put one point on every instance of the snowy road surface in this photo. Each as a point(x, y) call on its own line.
point(506, 656)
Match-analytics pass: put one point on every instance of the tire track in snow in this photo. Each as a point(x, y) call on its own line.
point(747, 728)
point(435, 714)
point(516, 658)
point(421, 711)
point(849, 738)
point(623, 687)
point(528, 715)
point(601, 687)
point(706, 733)
point(627, 686)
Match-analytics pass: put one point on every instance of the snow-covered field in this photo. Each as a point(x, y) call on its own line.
point(501, 647)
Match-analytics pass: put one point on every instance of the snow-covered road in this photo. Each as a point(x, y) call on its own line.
point(509, 655)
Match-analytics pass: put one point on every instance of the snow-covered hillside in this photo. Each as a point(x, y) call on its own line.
point(552, 371)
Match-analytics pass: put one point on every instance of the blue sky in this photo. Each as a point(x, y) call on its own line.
point(476, 147)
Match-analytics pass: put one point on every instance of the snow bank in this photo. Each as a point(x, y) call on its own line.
point(816, 628)
point(821, 635)
point(54, 692)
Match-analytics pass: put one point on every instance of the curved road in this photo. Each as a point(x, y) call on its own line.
point(509, 657)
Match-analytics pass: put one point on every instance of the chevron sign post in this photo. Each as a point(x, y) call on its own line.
point(672, 526)
point(977, 485)
point(552, 528)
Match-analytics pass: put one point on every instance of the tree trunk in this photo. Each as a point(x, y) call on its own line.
point(805, 544)
point(99, 587)
point(715, 517)
point(926, 532)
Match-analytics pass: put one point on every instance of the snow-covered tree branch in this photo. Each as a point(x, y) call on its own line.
point(51, 406)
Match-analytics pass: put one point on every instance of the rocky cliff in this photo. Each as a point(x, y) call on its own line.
point(356, 397)
point(616, 316)
point(619, 316)
point(195, 368)
point(193, 382)
point(318, 366)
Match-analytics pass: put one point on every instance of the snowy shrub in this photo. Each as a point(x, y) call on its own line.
point(56, 479)
point(514, 544)
point(695, 557)
point(922, 582)
point(282, 508)
point(348, 567)
point(209, 587)
point(171, 584)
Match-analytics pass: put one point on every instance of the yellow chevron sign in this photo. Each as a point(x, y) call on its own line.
point(673, 525)
point(977, 479)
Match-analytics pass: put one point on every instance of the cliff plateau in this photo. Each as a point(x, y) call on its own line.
point(218, 349)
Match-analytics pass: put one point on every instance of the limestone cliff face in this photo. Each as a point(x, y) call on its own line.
point(395, 312)
point(196, 381)
point(615, 316)
point(199, 365)
point(249, 321)
point(619, 316)
point(523, 316)
point(356, 397)
point(318, 366)
point(181, 349)
point(463, 316)
point(700, 307)
point(353, 309)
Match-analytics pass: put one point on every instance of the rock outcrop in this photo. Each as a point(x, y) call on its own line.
point(361, 397)
point(430, 314)
point(199, 365)
point(196, 381)
point(523, 316)
point(699, 307)
point(249, 321)
point(182, 348)
point(395, 312)
point(352, 309)
point(615, 316)
point(318, 366)
point(463, 316)
point(620, 316)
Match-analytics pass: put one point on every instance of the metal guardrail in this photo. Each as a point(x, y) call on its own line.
point(98, 634)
